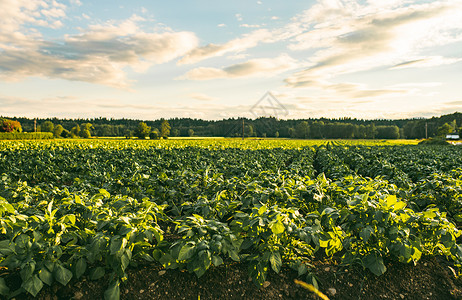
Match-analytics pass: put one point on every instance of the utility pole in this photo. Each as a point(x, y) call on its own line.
point(242, 128)
point(35, 125)
point(426, 130)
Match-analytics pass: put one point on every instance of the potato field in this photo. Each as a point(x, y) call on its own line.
point(94, 210)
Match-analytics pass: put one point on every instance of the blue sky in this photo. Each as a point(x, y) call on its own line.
point(215, 59)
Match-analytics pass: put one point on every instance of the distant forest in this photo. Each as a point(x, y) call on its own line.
point(345, 128)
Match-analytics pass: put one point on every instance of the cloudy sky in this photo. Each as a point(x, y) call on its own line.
point(148, 59)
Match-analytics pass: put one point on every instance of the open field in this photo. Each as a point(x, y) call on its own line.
point(229, 218)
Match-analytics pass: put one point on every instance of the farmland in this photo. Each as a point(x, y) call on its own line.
point(75, 210)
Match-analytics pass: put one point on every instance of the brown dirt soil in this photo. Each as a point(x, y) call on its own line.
point(431, 278)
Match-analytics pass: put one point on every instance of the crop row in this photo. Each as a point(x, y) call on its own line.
point(93, 209)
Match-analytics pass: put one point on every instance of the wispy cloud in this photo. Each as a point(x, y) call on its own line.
point(201, 97)
point(266, 67)
point(427, 62)
point(417, 84)
point(234, 46)
point(348, 37)
point(250, 25)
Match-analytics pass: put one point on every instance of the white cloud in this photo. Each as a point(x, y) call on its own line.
point(76, 2)
point(237, 45)
point(221, 25)
point(238, 17)
point(98, 54)
point(417, 84)
point(250, 25)
point(265, 67)
point(426, 62)
point(348, 37)
point(15, 13)
point(53, 12)
point(201, 97)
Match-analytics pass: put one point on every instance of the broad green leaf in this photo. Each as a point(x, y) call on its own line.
point(391, 200)
point(247, 243)
point(429, 214)
point(80, 267)
point(33, 285)
point(158, 235)
point(50, 206)
point(97, 273)
point(124, 261)
point(365, 234)
point(6, 207)
point(234, 256)
point(6, 248)
point(374, 263)
point(416, 255)
point(399, 205)
point(168, 261)
point(217, 260)
point(147, 257)
point(459, 251)
point(70, 218)
point(46, 276)
point(116, 245)
point(28, 271)
point(105, 193)
point(4, 289)
point(62, 275)
point(157, 254)
point(186, 252)
point(241, 215)
point(262, 210)
point(278, 228)
point(458, 217)
point(113, 291)
point(276, 261)
point(302, 269)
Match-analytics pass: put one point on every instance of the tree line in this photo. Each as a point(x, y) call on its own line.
point(343, 128)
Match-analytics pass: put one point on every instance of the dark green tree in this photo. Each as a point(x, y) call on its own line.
point(444, 129)
point(176, 132)
point(302, 130)
point(154, 135)
point(387, 132)
point(66, 133)
point(164, 129)
point(292, 133)
point(371, 131)
point(248, 130)
point(85, 131)
point(47, 126)
point(143, 130)
point(58, 130)
point(75, 131)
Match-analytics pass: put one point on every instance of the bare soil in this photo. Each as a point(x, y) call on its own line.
point(430, 278)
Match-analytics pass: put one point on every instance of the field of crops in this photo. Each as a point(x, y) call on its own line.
point(87, 209)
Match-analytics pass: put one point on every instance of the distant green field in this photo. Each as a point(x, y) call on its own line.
point(74, 208)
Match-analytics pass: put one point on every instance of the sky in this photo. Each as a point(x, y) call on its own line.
point(149, 59)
